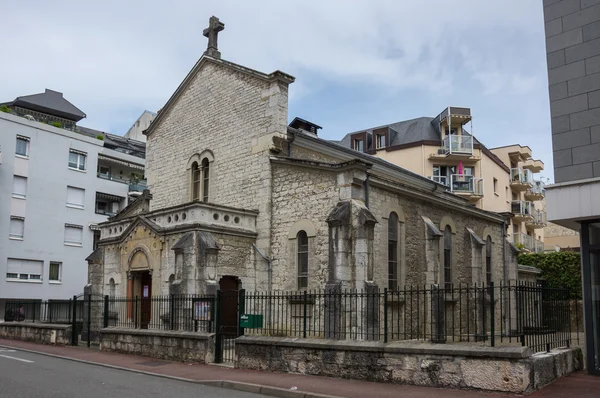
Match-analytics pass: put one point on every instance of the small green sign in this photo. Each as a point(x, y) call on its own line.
point(251, 321)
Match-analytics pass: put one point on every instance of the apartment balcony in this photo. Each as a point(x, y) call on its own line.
point(463, 185)
point(440, 180)
point(458, 147)
point(137, 188)
point(528, 243)
point(536, 192)
point(521, 179)
point(539, 220)
point(522, 210)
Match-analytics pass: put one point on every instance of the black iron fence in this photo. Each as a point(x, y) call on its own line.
point(194, 313)
point(524, 313)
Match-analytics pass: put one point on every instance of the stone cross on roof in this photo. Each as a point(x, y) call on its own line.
point(214, 27)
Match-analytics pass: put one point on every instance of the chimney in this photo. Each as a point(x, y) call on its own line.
point(305, 125)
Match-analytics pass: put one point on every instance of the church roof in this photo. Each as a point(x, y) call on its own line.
point(50, 102)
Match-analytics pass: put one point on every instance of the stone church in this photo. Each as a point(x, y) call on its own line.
point(238, 198)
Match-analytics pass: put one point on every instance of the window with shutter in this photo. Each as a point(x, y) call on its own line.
point(17, 228)
point(24, 270)
point(73, 235)
point(19, 187)
point(75, 197)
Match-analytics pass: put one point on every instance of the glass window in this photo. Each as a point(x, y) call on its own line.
point(488, 260)
point(205, 181)
point(55, 272)
point(77, 160)
point(19, 187)
point(359, 145)
point(447, 258)
point(19, 269)
point(495, 185)
point(380, 141)
point(393, 251)
point(302, 251)
point(594, 235)
point(196, 175)
point(22, 146)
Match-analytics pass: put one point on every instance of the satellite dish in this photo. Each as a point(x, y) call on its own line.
point(29, 117)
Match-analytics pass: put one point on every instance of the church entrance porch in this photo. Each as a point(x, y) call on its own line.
point(228, 313)
point(140, 298)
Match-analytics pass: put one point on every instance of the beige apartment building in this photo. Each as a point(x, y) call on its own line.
point(502, 180)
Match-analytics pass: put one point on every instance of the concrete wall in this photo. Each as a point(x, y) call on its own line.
point(573, 49)
point(173, 346)
point(44, 207)
point(507, 369)
point(36, 332)
point(136, 131)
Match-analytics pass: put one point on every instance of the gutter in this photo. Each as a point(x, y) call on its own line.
point(269, 268)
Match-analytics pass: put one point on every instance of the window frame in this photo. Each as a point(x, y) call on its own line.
point(495, 182)
point(196, 181)
point(27, 141)
point(78, 164)
point(205, 173)
point(75, 205)
point(73, 243)
point(378, 145)
point(17, 195)
point(59, 277)
point(393, 238)
point(488, 260)
point(302, 254)
point(13, 236)
point(356, 146)
point(447, 257)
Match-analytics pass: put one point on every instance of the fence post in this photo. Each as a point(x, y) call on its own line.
point(135, 313)
point(74, 322)
point(89, 320)
point(106, 311)
point(305, 314)
point(241, 309)
point(218, 342)
point(385, 315)
point(492, 316)
point(172, 322)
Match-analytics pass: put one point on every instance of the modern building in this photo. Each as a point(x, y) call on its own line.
point(573, 58)
point(56, 185)
point(502, 180)
point(136, 131)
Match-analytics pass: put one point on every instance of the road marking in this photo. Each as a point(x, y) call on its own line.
point(17, 359)
point(3, 350)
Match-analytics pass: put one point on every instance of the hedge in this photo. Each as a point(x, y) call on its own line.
point(559, 269)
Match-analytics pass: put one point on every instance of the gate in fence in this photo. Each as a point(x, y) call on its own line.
point(229, 306)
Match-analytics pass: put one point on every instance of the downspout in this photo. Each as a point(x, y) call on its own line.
point(269, 268)
point(367, 187)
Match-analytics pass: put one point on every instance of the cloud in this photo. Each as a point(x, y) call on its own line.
point(114, 58)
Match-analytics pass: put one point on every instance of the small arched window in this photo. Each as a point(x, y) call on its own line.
point(447, 258)
point(111, 287)
point(302, 259)
point(393, 251)
point(488, 260)
point(205, 181)
point(196, 178)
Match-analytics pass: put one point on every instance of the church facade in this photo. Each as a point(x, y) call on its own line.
point(240, 199)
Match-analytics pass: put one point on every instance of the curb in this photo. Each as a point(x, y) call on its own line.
point(226, 384)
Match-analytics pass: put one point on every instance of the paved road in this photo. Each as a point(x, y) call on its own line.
point(28, 375)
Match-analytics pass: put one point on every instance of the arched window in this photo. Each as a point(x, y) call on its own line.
point(488, 260)
point(393, 251)
point(302, 255)
point(447, 257)
point(111, 287)
point(196, 177)
point(205, 181)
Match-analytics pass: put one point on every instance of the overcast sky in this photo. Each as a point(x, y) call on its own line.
point(357, 64)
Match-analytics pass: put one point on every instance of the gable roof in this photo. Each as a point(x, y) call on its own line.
point(277, 75)
point(50, 102)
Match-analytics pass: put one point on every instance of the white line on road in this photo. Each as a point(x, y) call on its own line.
point(18, 359)
point(2, 350)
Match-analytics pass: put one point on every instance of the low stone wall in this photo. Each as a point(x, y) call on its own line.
point(43, 333)
point(170, 345)
point(505, 369)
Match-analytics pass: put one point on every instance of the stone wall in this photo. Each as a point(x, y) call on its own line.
point(173, 346)
point(506, 369)
point(36, 332)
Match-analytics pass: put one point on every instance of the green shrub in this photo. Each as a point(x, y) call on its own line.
point(100, 137)
point(559, 269)
point(57, 124)
point(5, 109)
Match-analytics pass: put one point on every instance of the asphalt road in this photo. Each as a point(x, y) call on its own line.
point(28, 375)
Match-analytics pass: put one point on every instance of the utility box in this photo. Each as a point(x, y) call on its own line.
point(251, 321)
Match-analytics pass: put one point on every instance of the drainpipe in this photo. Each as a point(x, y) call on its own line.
point(367, 191)
point(269, 268)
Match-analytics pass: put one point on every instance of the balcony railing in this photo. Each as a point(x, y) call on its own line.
point(537, 191)
point(539, 220)
point(139, 186)
point(521, 208)
point(521, 176)
point(524, 241)
point(440, 179)
point(460, 183)
point(458, 144)
point(112, 178)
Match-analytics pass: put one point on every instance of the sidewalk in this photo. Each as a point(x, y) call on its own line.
point(578, 385)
